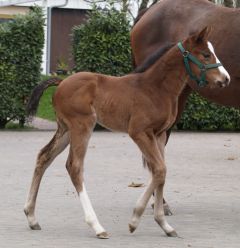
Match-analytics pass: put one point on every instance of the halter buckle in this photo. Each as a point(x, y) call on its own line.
point(185, 54)
point(203, 68)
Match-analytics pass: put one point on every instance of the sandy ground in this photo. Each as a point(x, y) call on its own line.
point(203, 183)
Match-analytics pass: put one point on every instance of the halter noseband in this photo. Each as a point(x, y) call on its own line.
point(201, 81)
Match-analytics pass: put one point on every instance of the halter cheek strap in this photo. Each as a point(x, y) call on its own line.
point(201, 81)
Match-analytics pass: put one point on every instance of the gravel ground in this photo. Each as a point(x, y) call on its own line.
point(202, 188)
point(43, 124)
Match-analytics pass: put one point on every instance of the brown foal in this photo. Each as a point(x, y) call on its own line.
point(142, 104)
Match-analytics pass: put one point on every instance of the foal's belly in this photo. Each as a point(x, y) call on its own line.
point(112, 113)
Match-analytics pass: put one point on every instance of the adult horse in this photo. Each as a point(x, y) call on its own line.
point(143, 104)
point(171, 21)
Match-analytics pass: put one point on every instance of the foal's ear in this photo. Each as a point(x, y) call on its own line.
point(202, 35)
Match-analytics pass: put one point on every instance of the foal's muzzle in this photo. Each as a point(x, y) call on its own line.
point(223, 83)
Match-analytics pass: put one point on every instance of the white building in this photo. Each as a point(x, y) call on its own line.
point(61, 16)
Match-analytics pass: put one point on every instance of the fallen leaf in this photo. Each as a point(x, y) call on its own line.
point(231, 158)
point(136, 185)
point(227, 145)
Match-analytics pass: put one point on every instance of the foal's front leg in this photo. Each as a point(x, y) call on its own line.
point(147, 143)
point(159, 214)
point(80, 133)
point(167, 210)
point(161, 141)
point(140, 206)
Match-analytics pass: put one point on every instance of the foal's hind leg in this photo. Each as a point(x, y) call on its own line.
point(80, 133)
point(45, 158)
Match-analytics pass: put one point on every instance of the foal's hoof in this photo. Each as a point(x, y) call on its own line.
point(131, 228)
point(35, 227)
point(103, 235)
point(172, 234)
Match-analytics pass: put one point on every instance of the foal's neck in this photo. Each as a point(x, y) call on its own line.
point(167, 74)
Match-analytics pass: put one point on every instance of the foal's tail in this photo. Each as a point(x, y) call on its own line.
point(37, 92)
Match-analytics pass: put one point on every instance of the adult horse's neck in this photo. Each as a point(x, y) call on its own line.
point(167, 74)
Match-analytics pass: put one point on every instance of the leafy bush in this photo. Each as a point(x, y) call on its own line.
point(102, 44)
point(200, 114)
point(21, 44)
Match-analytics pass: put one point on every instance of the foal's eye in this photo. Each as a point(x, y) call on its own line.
point(206, 55)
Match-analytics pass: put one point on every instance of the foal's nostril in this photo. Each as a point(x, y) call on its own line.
point(221, 84)
point(227, 80)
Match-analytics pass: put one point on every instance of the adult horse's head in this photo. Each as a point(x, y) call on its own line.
point(201, 62)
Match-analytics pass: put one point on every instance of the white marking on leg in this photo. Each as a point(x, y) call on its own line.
point(159, 212)
point(222, 70)
point(90, 215)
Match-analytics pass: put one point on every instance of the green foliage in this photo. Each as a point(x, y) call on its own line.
point(103, 44)
point(21, 44)
point(45, 108)
point(200, 114)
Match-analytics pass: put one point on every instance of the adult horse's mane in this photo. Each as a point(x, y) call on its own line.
point(149, 61)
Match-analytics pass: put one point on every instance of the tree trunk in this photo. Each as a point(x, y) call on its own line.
point(22, 122)
point(3, 123)
point(143, 5)
point(125, 6)
point(229, 3)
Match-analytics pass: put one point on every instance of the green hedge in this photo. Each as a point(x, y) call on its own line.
point(200, 114)
point(102, 44)
point(21, 44)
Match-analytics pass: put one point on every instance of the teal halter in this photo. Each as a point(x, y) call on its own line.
point(201, 81)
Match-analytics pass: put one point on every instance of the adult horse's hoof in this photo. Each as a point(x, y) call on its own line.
point(172, 234)
point(35, 227)
point(131, 228)
point(103, 235)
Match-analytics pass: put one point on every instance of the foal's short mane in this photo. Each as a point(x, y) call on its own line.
point(149, 61)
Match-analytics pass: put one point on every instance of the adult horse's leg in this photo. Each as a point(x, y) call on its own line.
point(80, 133)
point(147, 143)
point(45, 158)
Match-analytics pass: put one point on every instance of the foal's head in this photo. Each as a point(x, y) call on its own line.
point(201, 61)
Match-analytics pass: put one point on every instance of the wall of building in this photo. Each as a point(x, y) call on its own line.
point(63, 21)
point(10, 11)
